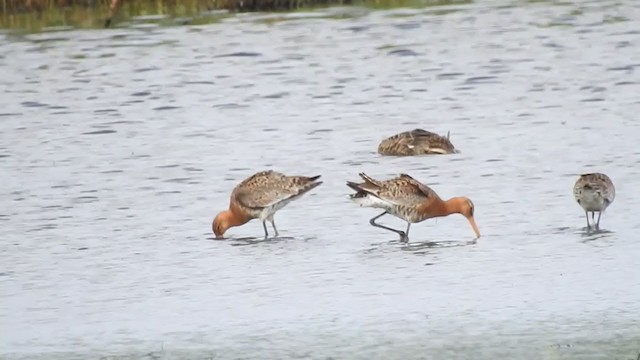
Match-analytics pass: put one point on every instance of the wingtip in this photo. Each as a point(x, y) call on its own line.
point(313, 185)
point(354, 186)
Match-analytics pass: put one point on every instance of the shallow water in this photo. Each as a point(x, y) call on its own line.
point(119, 146)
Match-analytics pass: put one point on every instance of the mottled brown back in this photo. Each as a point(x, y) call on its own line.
point(267, 188)
point(402, 190)
point(416, 142)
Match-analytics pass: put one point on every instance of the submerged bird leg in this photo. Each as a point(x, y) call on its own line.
point(405, 238)
point(598, 223)
point(264, 226)
point(373, 223)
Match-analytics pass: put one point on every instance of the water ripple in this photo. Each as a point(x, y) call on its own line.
point(106, 245)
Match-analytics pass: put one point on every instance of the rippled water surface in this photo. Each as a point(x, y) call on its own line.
point(119, 146)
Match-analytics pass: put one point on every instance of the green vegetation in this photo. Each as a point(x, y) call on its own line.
point(38, 15)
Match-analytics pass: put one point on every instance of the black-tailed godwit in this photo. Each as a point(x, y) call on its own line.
point(409, 200)
point(416, 142)
point(260, 197)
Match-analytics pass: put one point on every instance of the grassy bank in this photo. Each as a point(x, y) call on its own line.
point(18, 6)
point(34, 15)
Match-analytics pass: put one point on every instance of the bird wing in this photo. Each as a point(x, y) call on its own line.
point(413, 138)
point(405, 191)
point(422, 133)
point(430, 142)
point(267, 188)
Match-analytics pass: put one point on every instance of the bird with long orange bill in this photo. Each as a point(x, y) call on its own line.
point(260, 196)
point(409, 200)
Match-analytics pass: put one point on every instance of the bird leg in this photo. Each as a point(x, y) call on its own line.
point(273, 223)
point(264, 225)
point(406, 234)
point(598, 222)
point(403, 236)
point(588, 223)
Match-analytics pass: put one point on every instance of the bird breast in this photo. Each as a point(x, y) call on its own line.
point(592, 200)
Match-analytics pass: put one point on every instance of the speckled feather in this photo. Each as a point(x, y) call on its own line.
point(416, 142)
point(270, 189)
point(594, 192)
point(404, 195)
point(402, 190)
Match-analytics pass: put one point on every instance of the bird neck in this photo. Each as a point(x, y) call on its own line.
point(235, 218)
point(448, 207)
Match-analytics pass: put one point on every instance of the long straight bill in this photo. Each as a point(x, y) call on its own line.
point(472, 221)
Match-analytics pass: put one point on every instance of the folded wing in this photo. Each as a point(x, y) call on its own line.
point(268, 188)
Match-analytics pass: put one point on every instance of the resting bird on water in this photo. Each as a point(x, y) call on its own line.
point(594, 192)
point(409, 200)
point(259, 197)
point(416, 142)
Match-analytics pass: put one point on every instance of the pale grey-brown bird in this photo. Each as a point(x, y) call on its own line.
point(594, 192)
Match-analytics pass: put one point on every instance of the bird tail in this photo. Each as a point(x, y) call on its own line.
point(308, 183)
point(370, 180)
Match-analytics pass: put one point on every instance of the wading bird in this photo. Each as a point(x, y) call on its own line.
point(594, 192)
point(409, 200)
point(416, 142)
point(259, 197)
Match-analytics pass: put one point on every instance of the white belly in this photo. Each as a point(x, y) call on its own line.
point(268, 212)
point(592, 201)
point(373, 202)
